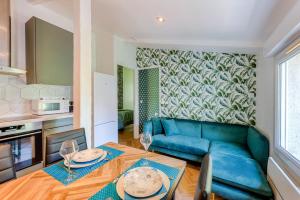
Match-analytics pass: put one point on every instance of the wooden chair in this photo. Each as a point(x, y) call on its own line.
point(203, 190)
point(54, 142)
point(7, 163)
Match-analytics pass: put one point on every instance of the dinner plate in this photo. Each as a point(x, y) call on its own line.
point(88, 155)
point(81, 165)
point(120, 186)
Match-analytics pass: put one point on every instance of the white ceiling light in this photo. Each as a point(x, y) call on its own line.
point(160, 19)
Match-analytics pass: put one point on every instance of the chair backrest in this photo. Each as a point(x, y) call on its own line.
point(54, 142)
point(7, 164)
point(203, 189)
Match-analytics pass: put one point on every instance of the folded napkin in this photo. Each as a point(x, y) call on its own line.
point(161, 191)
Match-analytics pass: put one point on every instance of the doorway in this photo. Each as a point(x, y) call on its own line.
point(126, 78)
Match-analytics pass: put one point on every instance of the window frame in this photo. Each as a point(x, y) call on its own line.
point(282, 153)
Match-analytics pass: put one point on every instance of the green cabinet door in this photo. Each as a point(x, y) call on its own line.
point(52, 53)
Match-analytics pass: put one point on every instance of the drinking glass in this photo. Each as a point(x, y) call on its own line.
point(146, 140)
point(67, 150)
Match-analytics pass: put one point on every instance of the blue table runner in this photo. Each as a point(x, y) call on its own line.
point(109, 191)
point(59, 172)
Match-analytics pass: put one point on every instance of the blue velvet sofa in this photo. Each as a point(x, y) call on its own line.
point(239, 153)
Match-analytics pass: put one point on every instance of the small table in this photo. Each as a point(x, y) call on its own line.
point(39, 185)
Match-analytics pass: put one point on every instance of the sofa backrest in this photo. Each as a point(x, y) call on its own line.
point(225, 132)
point(258, 145)
point(189, 127)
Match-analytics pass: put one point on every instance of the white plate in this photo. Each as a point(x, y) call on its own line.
point(165, 182)
point(88, 155)
point(142, 182)
point(87, 164)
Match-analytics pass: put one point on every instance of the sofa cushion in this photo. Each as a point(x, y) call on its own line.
point(258, 145)
point(170, 127)
point(229, 148)
point(157, 126)
point(244, 173)
point(225, 132)
point(182, 143)
point(189, 127)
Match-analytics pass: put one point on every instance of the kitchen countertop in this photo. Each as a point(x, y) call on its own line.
point(12, 121)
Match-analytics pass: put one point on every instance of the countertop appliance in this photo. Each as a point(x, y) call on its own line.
point(50, 106)
point(105, 109)
point(26, 142)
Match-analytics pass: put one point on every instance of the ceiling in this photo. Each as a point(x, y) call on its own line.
point(63, 7)
point(247, 22)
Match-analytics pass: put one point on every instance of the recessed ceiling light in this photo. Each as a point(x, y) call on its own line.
point(160, 19)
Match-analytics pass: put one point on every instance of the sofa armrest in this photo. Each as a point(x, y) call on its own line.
point(148, 127)
point(258, 145)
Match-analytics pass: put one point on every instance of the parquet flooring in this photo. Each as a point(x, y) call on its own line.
point(187, 184)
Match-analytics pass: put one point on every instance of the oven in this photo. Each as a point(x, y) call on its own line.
point(26, 141)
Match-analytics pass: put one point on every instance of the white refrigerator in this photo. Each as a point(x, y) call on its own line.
point(105, 109)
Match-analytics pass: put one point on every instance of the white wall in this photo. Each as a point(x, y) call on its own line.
point(265, 96)
point(125, 53)
point(21, 12)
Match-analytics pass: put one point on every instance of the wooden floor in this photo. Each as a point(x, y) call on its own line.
point(187, 185)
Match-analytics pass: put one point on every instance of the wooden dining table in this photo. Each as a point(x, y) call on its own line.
point(40, 185)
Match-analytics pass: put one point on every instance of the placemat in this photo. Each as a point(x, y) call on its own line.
point(109, 191)
point(60, 173)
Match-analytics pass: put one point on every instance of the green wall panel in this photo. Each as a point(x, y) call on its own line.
point(128, 88)
point(120, 87)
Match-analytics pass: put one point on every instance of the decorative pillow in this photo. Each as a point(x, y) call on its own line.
point(156, 126)
point(170, 127)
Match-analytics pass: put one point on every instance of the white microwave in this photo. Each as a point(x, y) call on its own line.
point(50, 106)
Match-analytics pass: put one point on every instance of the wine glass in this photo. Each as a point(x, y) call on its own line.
point(67, 150)
point(146, 140)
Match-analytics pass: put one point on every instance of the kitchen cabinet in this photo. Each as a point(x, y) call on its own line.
point(53, 127)
point(49, 54)
point(4, 33)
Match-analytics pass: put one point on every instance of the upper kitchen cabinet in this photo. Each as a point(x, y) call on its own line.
point(49, 54)
point(4, 33)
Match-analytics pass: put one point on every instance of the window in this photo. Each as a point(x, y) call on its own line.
point(288, 111)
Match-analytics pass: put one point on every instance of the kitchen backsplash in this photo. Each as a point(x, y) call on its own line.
point(16, 96)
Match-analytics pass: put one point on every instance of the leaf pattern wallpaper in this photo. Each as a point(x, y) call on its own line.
point(205, 86)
